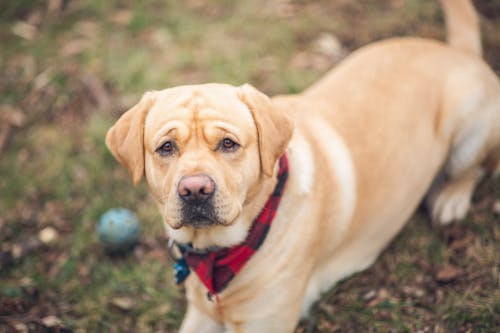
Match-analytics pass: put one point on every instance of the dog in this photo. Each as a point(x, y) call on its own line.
point(327, 177)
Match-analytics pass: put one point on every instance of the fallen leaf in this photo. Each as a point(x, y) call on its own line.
point(43, 79)
point(123, 303)
point(51, 321)
point(24, 30)
point(74, 47)
point(369, 295)
point(121, 17)
point(448, 273)
point(424, 265)
point(12, 115)
point(163, 310)
point(54, 6)
point(21, 328)
point(87, 28)
point(329, 45)
point(496, 207)
point(9, 117)
point(26, 281)
point(462, 243)
point(382, 295)
point(413, 291)
point(48, 235)
point(17, 251)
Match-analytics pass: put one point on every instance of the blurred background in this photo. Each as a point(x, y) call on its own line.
point(69, 68)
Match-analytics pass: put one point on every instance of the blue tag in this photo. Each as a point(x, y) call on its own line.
point(181, 270)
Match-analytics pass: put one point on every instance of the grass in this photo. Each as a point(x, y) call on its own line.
point(67, 73)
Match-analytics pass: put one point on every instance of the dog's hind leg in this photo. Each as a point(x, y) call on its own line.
point(474, 126)
point(473, 100)
point(476, 141)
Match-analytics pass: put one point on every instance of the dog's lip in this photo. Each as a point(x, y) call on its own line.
point(205, 223)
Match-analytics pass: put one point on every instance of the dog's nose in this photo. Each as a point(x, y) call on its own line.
point(196, 188)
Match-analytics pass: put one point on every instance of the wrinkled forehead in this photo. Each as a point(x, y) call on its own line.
point(200, 104)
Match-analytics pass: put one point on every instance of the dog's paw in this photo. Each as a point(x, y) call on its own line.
point(450, 199)
point(450, 206)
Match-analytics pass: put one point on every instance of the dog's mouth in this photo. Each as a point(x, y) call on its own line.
point(199, 214)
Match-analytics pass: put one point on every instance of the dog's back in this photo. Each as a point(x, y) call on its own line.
point(407, 110)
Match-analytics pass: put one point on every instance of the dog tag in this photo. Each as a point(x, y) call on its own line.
point(181, 270)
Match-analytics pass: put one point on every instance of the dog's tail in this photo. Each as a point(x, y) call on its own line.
point(462, 25)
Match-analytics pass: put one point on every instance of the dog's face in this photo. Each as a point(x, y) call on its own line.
point(205, 151)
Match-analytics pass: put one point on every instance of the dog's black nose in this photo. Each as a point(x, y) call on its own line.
point(196, 188)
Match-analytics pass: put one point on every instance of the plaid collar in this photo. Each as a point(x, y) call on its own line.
point(216, 268)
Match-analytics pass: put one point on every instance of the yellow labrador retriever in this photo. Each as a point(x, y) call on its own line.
point(395, 121)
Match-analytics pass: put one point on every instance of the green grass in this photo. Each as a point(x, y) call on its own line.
point(90, 60)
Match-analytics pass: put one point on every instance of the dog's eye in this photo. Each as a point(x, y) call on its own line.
point(166, 149)
point(228, 145)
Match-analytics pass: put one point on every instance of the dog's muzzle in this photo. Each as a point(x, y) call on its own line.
point(196, 194)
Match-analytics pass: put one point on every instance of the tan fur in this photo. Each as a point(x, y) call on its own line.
point(462, 25)
point(369, 142)
point(274, 128)
point(125, 138)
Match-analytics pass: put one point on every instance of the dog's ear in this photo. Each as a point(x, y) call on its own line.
point(274, 127)
point(125, 139)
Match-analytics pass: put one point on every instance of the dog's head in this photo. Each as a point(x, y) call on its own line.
point(206, 152)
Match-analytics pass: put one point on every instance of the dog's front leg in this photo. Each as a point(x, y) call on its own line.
point(196, 321)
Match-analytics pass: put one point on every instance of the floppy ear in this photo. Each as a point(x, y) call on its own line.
point(125, 139)
point(274, 127)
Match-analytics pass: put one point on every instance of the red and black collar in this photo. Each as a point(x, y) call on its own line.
point(216, 268)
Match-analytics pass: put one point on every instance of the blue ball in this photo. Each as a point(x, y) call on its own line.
point(118, 229)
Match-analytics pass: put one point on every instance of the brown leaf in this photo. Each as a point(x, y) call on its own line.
point(382, 295)
point(9, 117)
point(413, 291)
point(448, 273)
point(12, 115)
point(462, 243)
point(369, 295)
point(496, 207)
point(24, 30)
point(121, 17)
point(87, 28)
point(21, 327)
point(74, 47)
point(123, 303)
point(51, 321)
point(424, 265)
point(54, 6)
